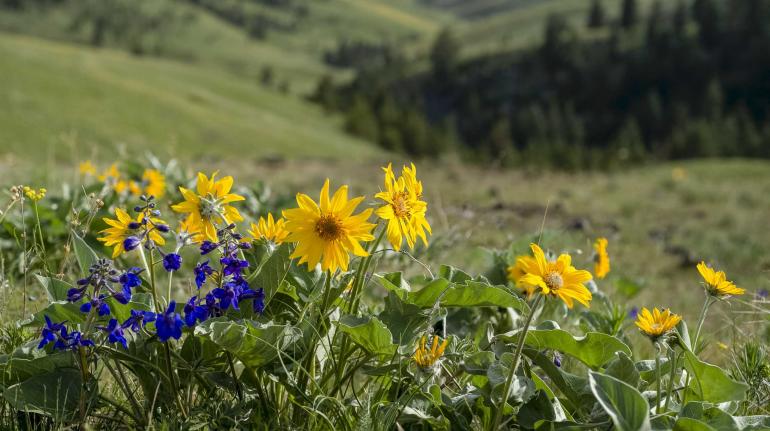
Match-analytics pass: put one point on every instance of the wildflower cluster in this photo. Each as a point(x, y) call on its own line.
point(151, 183)
point(34, 195)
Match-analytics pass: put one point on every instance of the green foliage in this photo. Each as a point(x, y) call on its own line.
point(623, 403)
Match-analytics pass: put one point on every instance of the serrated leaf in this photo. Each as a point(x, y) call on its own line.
point(624, 404)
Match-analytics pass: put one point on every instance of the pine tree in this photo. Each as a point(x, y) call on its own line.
point(596, 15)
point(444, 55)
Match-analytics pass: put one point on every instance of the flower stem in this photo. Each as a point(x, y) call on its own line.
point(694, 345)
point(363, 267)
point(238, 390)
point(672, 358)
point(657, 385)
point(516, 358)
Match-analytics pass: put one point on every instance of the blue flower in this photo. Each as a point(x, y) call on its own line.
point(100, 305)
point(130, 278)
point(633, 312)
point(75, 294)
point(557, 359)
point(115, 333)
point(49, 332)
point(138, 319)
point(169, 324)
point(207, 247)
point(202, 270)
point(233, 265)
point(762, 294)
point(228, 294)
point(259, 299)
point(124, 296)
point(172, 262)
point(194, 312)
point(62, 339)
point(131, 243)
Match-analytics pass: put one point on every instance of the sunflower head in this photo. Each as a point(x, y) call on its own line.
point(717, 283)
point(602, 265)
point(154, 183)
point(124, 226)
point(209, 205)
point(426, 356)
point(87, 168)
point(328, 231)
point(269, 229)
point(657, 323)
point(516, 271)
point(404, 210)
point(556, 278)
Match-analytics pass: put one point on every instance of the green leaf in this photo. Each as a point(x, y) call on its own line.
point(273, 271)
point(404, 320)
point(626, 407)
point(627, 287)
point(575, 388)
point(478, 363)
point(453, 274)
point(623, 368)
point(394, 282)
point(689, 424)
point(369, 333)
point(255, 344)
point(593, 349)
point(59, 312)
point(20, 368)
point(470, 294)
point(709, 415)
point(55, 394)
point(55, 289)
point(85, 255)
point(537, 408)
point(711, 383)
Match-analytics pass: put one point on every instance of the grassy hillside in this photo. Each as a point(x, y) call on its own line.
point(107, 97)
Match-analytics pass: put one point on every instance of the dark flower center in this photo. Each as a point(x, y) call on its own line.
point(329, 227)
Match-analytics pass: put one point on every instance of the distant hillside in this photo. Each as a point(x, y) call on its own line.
point(63, 100)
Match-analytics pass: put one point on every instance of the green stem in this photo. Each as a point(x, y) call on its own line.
point(168, 291)
point(672, 375)
point(701, 319)
point(657, 386)
point(355, 296)
point(694, 346)
point(516, 357)
point(238, 390)
point(40, 235)
point(172, 377)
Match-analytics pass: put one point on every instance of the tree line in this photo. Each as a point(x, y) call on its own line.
point(687, 80)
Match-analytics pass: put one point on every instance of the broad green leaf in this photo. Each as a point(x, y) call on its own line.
point(56, 394)
point(273, 271)
point(369, 333)
point(593, 349)
point(575, 388)
point(478, 363)
point(647, 370)
point(255, 344)
point(690, 424)
point(709, 415)
point(453, 274)
point(58, 312)
point(711, 383)
point(404, 320)
point(746, 423)
point(537, 408)
point(85, 255)
point(522, 388)
point(470, 294)
point(55, 289)
point(623, 368)
point(18, 369)
point(544, 425)
point(624, 404)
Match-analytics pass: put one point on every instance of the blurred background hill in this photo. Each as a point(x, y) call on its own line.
point(572, 84)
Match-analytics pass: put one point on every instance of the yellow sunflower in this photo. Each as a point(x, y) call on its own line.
point(154, 183)
point(210, 206)
point(717, 283)
point(120, 229)
point(87, 168)
point(403, 209)
point(425, 357)
point(557, 278)
point(186, 228)
point(516, 271)
point(602, 266)
point(112, 173)
point(271, 230)
point(328, 231)
point(656, 323)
